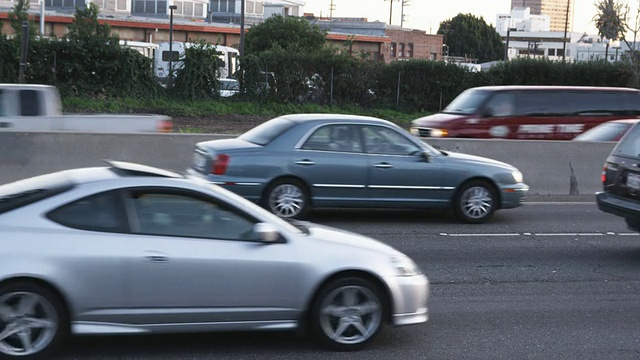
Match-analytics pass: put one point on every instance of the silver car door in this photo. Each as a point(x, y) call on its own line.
point(198, 262)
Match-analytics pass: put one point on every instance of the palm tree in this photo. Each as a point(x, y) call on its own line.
point(611, 21)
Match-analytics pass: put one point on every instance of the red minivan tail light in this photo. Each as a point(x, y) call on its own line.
point(604, 174)
point(219, 164)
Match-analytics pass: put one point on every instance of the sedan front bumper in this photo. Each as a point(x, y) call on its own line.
point(409, 299)
point(513, 195)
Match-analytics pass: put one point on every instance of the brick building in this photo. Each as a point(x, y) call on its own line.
point(411, 44)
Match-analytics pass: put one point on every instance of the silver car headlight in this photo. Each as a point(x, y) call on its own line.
point(517, 176)
point(405, 266)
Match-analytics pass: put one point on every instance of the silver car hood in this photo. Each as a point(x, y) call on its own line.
point(343, 237)
point(467, 158)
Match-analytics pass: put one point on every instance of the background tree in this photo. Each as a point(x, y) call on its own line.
point(288, 33)
point(17, 16)
point(85, 26)
point(469, 35)
point(611, 21)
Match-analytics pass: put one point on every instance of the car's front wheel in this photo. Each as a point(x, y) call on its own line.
point(33, 321)
point(288, 198)
point(348, 313)
point(475, 202)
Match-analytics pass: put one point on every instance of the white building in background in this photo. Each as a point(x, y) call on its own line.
point(521, 19)
point(527, 35)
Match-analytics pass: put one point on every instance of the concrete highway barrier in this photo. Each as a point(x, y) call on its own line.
point(550, 168)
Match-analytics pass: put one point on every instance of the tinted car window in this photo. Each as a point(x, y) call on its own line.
point(502, 104)
point(382, 140)
point(468, 102)
point(29, 103)
point(101, 212)
point(267, 131)
point(573, 102)
point(172, 214)
point(170, 56)
point(539, 103)
point(342, 138)
point(629, 145)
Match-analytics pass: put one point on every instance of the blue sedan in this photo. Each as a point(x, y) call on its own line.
point(294, 163)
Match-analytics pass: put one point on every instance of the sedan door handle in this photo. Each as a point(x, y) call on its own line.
point(383, 166)
point(156, 257)
point(305, 162)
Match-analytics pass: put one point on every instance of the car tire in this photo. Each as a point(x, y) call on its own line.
point(288, 198)
point(475, 202)
point(38, 317)
point(348, 313)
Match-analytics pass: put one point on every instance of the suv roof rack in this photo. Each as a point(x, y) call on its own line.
point(134, 169)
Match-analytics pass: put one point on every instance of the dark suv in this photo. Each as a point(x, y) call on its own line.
point(621, 180)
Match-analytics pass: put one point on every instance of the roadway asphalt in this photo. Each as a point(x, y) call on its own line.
point(543, 281)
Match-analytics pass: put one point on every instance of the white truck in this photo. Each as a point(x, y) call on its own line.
point(30, 107)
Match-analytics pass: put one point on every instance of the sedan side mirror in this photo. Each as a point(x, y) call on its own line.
point(425, 155)
point(267, 233)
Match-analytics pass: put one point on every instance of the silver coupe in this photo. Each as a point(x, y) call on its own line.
point(131, 249)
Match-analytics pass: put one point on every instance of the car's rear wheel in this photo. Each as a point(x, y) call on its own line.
point(288, 198)
point(33, 321)
point(348, 313)
point(475, 202)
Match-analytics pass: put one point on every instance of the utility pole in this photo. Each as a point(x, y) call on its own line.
point(404, 3)
point(566, 25)
point(390, 9)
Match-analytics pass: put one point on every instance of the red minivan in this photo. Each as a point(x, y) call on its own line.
point(529, 112)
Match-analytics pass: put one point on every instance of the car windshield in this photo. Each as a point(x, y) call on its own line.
point(604, 132)
point(267, 131)
point(629, 145)
point(467, 103)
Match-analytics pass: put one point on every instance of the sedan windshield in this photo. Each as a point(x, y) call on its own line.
point(467, 103)
point(267, 131)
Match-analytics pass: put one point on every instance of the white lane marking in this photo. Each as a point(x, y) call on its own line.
point(482, 234)
point(559, 203)
point(539, 234)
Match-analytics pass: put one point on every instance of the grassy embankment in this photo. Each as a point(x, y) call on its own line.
point(203, 109)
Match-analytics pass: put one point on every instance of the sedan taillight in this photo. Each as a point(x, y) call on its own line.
point(219, 164)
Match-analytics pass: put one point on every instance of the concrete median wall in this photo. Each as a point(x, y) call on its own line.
point(550, 167)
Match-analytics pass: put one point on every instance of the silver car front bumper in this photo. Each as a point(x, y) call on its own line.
point(410, 295)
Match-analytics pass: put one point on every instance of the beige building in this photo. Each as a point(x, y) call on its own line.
point(555, 9)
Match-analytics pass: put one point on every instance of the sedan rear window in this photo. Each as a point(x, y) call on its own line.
point(267, 131)
point(629, 145)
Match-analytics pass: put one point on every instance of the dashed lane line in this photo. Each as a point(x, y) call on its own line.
point(609, 233)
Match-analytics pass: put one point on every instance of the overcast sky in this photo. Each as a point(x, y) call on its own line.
point(427, 14)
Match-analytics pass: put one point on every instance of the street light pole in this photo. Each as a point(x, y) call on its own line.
point(171, 8)
point(506, 47)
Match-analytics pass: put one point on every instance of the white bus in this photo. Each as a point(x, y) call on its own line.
point(228, 59)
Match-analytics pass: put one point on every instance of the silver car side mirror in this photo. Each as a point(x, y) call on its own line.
point(267, 233)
